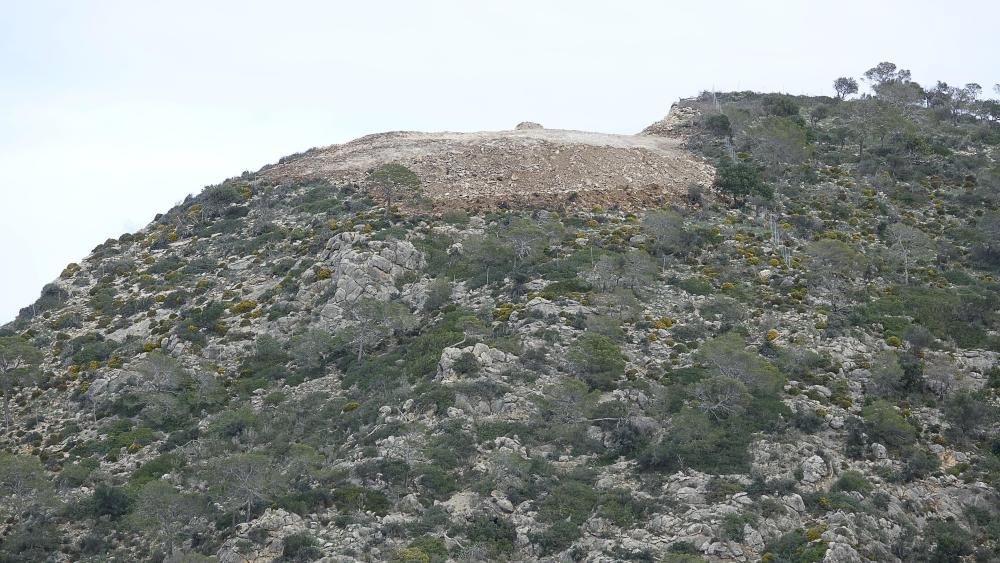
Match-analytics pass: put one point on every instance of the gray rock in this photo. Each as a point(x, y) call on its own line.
point(879, 451)
point(794, 502)
point(813, 469)
point(841, 553)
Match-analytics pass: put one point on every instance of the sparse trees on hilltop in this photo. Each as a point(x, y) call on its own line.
point(885, 72)
point(845, 86)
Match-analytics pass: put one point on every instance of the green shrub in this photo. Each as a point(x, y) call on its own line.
point(733, 525)
point(489, 430)
point(166, 264)
point(557, 537)
point(683, 552)
point(794, 547)
point(718, 124)
point(886, 425)
point(433, 395)
point(961, 315)
point(466, 364)
point(31, 539)
point(621, 508)
point(456, 217)
point(494, 533)
point(352, 498)
point(110, 501)
point(695, 286)
point(701, 443)
point(919, 463)
point(741, 180)
point(436, 482)
point(90, 347)
point(597, 360)
point(950, 541)
point(230, 424)
point(450, 447)
point(300, 547)
point(154, 469)
point(719, 488)
point(808, 421)
point(221, 195)
point(570, 500)
point(850, 481)
point(268, 359)
point(433, 547)
point(438, 294)
point(76, 474)
point(780, 105)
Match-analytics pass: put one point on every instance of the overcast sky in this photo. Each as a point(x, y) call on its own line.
point(113, 111)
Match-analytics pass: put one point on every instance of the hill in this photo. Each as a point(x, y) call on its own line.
point(764, 329)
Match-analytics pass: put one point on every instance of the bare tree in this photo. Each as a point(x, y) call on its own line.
point(910, 244)
point(375, 319)
point(165, 513)
point(939, 374)
point(887, 376)
point(833, 265)
point(311, 350)
point(632, 271)
point(665, 229)
point(721, 397)
point(243, 480)
point(24, 486)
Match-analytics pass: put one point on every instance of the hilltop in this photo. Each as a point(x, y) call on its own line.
point(526, 167)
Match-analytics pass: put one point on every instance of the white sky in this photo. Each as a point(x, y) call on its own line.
point(113, 111)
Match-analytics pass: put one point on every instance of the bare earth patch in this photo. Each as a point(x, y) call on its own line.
point(526, 167)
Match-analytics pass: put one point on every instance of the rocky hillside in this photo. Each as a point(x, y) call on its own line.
point(765, 329)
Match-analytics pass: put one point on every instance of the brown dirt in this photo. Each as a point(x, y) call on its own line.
point(526, 167)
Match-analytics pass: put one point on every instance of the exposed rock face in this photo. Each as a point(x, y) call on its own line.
point(360, 268)
point(678, 121)
point(486, 358)
point(527, 166)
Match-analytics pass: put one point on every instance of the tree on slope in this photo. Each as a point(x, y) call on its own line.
point(374, 320)
point(390, 179)
point(740, 180)
point(17, 358)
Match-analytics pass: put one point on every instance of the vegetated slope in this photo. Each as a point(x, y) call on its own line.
point(524, 167)
point(798, 365)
